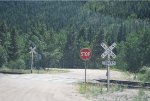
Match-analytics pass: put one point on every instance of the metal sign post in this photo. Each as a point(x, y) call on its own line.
point(85, 73)
point(32, 52)
point(108, 74)
point(108, 52)
point(85, 54)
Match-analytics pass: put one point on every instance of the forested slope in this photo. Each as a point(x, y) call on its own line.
point(59, 29)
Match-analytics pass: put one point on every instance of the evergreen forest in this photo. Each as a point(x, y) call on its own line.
point(60, 29)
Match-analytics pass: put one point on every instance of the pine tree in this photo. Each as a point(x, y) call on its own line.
point(97, 48)
point(145, 48)
point(132, 52)
point(13, 47)
point(121, 34)
point(69, 50)
point(3, 33)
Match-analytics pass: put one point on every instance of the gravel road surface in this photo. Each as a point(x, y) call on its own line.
point(48, 87)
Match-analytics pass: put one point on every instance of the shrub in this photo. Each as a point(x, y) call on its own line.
point(18, 64)
point(144, 74)
point(144, 69)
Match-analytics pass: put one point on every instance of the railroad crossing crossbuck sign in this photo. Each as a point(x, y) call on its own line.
point(32, 52)
point(108, 50)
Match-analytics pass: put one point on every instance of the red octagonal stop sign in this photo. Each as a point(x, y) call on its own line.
point(85, 54)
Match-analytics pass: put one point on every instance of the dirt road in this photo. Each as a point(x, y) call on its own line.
point(47, 87)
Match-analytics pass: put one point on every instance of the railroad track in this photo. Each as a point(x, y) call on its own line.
point(128, 84)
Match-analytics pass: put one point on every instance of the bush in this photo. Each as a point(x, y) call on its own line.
point(144, 74)
point(18, 64)
point(144, 69)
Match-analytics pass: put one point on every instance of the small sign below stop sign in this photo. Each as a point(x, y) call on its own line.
point(85, 54)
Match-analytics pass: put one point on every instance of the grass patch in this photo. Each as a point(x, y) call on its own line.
point(14, 71)
point(51, 70)
point(93, 90)
point(144, 74)
point(22, 71)
point(141, 96)
point(127, 75)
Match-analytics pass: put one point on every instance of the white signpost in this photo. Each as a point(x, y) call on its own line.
point(32, 52)
point(108, 52)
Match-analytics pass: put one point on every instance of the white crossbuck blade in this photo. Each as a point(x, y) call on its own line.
point(33, 50)
point(108, 50)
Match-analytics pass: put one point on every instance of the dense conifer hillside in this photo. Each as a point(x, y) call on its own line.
point(59, 29)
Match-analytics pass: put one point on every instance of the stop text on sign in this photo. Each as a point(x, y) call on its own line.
point(85, 54)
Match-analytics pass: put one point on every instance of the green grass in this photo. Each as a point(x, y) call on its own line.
point(14, 71)
point(127, 75)
point(141, 96)
point(93, 90)
point(51, 70)
point(34, 71)
point(144, 76)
